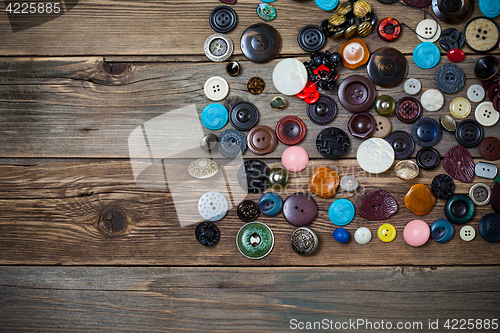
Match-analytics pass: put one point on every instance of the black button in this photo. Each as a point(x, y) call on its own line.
point(233, 68)
point(311, 38)
point(450, 78)
point(428, 158)
point(248, 211)
point(323, 111)
point(387, 67)
point(426, 132)
point(260, 43)
point(486, 68)
point(469, 133)
point(402, 143)
point(223, 19)
point(332, 143)
point(489, 227)
point(443, 186)
point(459, 209)
point(244, 116)
point(252, 176)
point(387, 2)
point(451, 38)
point(452, 11)
point(207, 233)
point(326, 29)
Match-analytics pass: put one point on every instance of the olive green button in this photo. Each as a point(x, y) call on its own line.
point(277, 178)
point(255, 240)
point(459, 209)
point(385, 105)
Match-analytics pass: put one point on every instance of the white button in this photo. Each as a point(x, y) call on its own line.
point(216, 88)
point(363, 235)
point(486, 170)
point(432, 100)
point(203, 168)
point(475, 93)
point(375, 155)
point(480, 194)
point(212, 206)
point(429, 30)
point(467, 233)
point(412, 86)
point(486, 115)
point(290, 76)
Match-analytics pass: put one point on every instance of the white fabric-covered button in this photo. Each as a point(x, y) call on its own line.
point(216, 88)
point(363, 235)
point(475, 93)
point(460, 107)
point(432, 100)
point(429, 29)
point(486, 115)
point(412, 86)
point(467, 233)
point(375, 155)
point(290, 76)
point(212, 206)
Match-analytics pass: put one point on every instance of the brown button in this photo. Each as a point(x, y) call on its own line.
point(387, 67)
point(356, 93)
point(452, 11)
point(361, 125)
point(324, 182)
point(256, 85)
point(489, 148)
point(262, 140)
point(408, 109)
point(383, 126)
point(290, 130)
point(299, 209)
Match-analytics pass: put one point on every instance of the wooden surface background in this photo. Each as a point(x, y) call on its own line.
point(71, 92)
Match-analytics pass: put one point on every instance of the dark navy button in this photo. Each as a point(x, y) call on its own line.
point(489, 227)
point(223, 19)
point(469, 133)
point(408, 109)
point(333, 143)
point(443, 186)
point(232, 143)
point(207, 233)
point(450, 78)
point(270, 204)
point(442, 230)
point(451, 38)
point(402, 143)
point(244, 116)
point(459, 209)
point(341, 235)
point(252, 176)
point(299, 209)
point(290, 130)
point(248, 211)
point(452, 11)
point(428, 158)
point(260, 43)
point(311, 38)
point(323, 111)
point(426, 132)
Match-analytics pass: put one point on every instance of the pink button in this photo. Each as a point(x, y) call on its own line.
point(295, 159)
point(416, 233)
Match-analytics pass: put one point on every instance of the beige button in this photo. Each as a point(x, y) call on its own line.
point(428, 31)
point(406, 169)
point(460, 107)
point(203, 168)
point(480, 194)
point(481, 34)
point(432, 100)
point(467, 233)
point(382, 127)
point(486, 115)
point(216, 88)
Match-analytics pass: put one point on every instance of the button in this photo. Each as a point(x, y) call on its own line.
point(432, 100)
point(323, 111)
point(387, 67)
point(475, 93)
point(455, 55)
point(452, 11)
point(266, 12)
point(356, 93)
point(341, 235)
point(349, 183)
point(333, 143)
point(417, 3)
point(256, 85)
point(207, 233)
point(406, 169)
point(248, 211)
point(232, 143)
point(218, 47)
point(295, 159)
point(278, 103)
point(255, 240)
point(383, 126)
point(252, 176)
point(451, 38)
point(412, 86)
point(290, 130)
point(244, 116)
point(208, 142)
point(212, 206)
point(481, 34)
point(290, 76)
point(408, 109)
point(262, 140)
point(428, 158)
point(459, 164)
point(233, 68)
point(489, 8)
point(486, 115)
point(385, 105)
point(469, 133)
point(341, 212)
point(480, 194)
point(304, 241)
point(426, 132)
point(467, 233)
point(311, 38)
point(416, 233)
point(448, 123)
point(388, 29)
point(203, 168)
point(486, 170)
point(459, 209)
point(442, 230)
point(299, 209)
point(277, 178)
point(489, 227)
point(419, 199)
point(309, 88)
point(495, 196)
point(450, 78)
point(260, 43)
point(216, 88)
point(327, 5)
point(460, 107)
point(363, 236)
point(361, 8)
point(443, 186)
point(354, 53)
point(428, 31)
point(378, 205)
point(312, 98)
point(270, 204)
point(402, 143)
point(214, 116)
point(229, 2)
point(486, 68)
point(386, 232)
point(324, 182)
point(489, 148)
point(361, 125)
point(223, 19)
point(426, 55)
point(375, 155)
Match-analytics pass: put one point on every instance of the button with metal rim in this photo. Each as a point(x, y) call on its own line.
point(486, 170)
point(432, 100)
point(459, 209)
point(467, 233)
point(216, 88)
point(262, 140)
point(452, 11)
point(341, 212)
point(270, 204)
point(207, 233)
point(402, 143)
point(489, 227)
point(481, 34)
point(383, 126)
point(304, 241)
point(255, 240)
point(426, 55)
point(451, 38)
point(232, 143)
point(486, 68)
point(443, 186)
point(248, 211)
point(442, 230)
point(214, 116)
point(212, 206)
point(252, 176)
point(486, 115)
point(290, 76)
point(450, 78)
point(489, 148)
point(428, 158)
point(426, 132)
point(480, 194)
point(356, 93)
point(223, 19)
point(218, 47)
point(469, 133)
point(233, 68)
point(363, 235)
point(311, 38)
point(375, 155)
point(408, 110)
point(460, 107)
point(290, 130)
point(323, 111)
point(387, 67)
point(299, 209)
point(475, 93)
point(412, 86)
point(332, 143)
point(386, 232)
point(260, 43)
point(244, 116)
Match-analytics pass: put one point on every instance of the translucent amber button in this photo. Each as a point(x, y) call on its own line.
point(354, 53)
point(420, 199)
point(324, 182)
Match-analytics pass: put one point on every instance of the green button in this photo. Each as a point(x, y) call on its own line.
point(459, 209)
point(255, 240)
point(385, 105)
point(277, 178)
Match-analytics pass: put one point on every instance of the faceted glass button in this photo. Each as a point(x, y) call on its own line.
point(387, 67)
point(420, 199)
point(255, 240)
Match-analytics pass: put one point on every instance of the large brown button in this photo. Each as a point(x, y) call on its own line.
point(408, 109)
point(290, 130)
point(299, 209)
point(489, 148)
point(262, 140)
point(420, 199)
point(383, 126)
point(387, 67)
point(452, 11)
point(260, 42)
point(324, 182)
point(361, 125)
point(356, 93)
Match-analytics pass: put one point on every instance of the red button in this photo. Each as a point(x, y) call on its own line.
point(308, 90)
point(388, 29)
point(456, 55)
point(321, 68)
point(312, 98)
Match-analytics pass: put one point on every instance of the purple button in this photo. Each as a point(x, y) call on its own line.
point(356, 93)
point(299, 209)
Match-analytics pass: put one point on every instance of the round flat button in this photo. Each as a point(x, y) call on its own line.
point(426, 132)
point(489, 227)
point(486, 115)
point(481, 34)
point(354, 53)
point(266, 12)
point(290, 76)
point(361, 125)
point(244, 116)
point(311, 38)
point(327, 5)
point(385, 105)
point(218, 47)
point(341, 235)
point(208, 142)
point(416, 233)
point(428, 31)
point(252, 176)
point(356, 93)
point(323, 111)
point(232, 143)
point(459, 209)
point(432, 100)
point(428, 158)
point(426, 55)
point(256, 85)
point(452, 11)
point(460, 107)
point(223, 19)
point(299, 209)
point(467, 233)
point(233, 68)
point(270, 204)
point(475, 93)
point(448, 123)
point(480, 194)
point(262, 140)
point(451, 38)
point(214, 116)
point(412, 86)
point(260, 43)
point(255, 240)
point(388, 29)
point(386, 232)
point(363, 236)
point(443, 186)
point(406, 169)
point(216, 88)
point(207, 233)
point(383, 126)
point(387, 67)
point(469, 133)
point(248, 211)
point(295, 159)
point(450, 78)
point(333, 143)
point(375, 155)
point(290, 130)
point(349, 183)
point(203, 168)
point(489, 148)
point(408, 109)
point(304, 241)
point(212, 206)
point(442, 230)
point(341, 212)
point(489, 8)
point(277, 178)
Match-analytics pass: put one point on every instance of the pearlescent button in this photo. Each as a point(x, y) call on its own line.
point(486, 170)
point(295, 159)
point(432, 100)
point(375, 155)
point(475, 93)
point(216, 88)
point(486, 114)
point(428, 31)
point(212, 206)
point(460, 107)
point(467, 233)
point(349, 183)
point(416, 233)
point(412, 86)
point(363, 236)
point(290, 76)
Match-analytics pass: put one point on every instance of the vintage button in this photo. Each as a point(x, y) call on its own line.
point(426, 132)
point(304, 241)
point(356, 93)
point(354, 53)
point(361, 125)
point(387, 67)
point(486, 68)
point(208, 142)
point(252, 176)
point(233, 68)
point(256, 85)
point(469, 133)
point(255, 240)
point(337, 20)
point(455, 55)
point(489, 8)
point(378, 205)
point(248, 211)
point(363, 235)
point(350, 32)
point(408, 109)
point(388, 29)
point(448, 123)
point(299, 209)
point(459, 164)
point(432, 100)
point(324, 182)
point(218, 47)
point(223, 19)
point(417, 3)
point(216, 88)
point(386, 232)
point(349, 183)
point(290, 130)
point(207, 233)
point(278, 103)
point(452, 11)
point(244, 116)
point(375, 155)
point(361, 8)
point(451, 38)
point(312, 98)
point(341, 235)
point(486, 170)
point(467, 233)
point(270, 204)
point(383, 126)
point(262, 140)
point(443, 186)
point(489, 227)
point(341, 212)
point(495, 195)
point(428, 30)
point(212, 206)
point(475, 93)
point(416, 233)
point(311, 38)
point(295, 159)
point(419, 199)
point(323, 111)
point(412, 86)
point(277, 178)
point(428, 158)
point(385, 105)
point(290, 76)
point(327, 5)
point(332, 143)
point(214, 116)
point(402, 143)
point(459, 209)
point(232, 143)
point(229, 2)
point(344, 8)
point(489, 148)
point(426, 55)
point(406, 169)
point(486, 115)
point(203, 168)
point(442, 230)
point(480, 194)
point(266, 12)
point(366, 24)
point(260, 43)
point(450, 78)
point(481, 34)
point(460, 107)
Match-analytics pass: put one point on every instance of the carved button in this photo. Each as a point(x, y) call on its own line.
point(290, 130)
point(432, 100)
point(416, 233)
point(277, 178)
point(486, 115)
point(426, 55)
point(489, 148)
point(248, 211)
point(304, 241)
point(255, 240)
point(341, 212)
point(450, 78)
point(385, 105)
point(459, 164)
point(260, 43)
point(223, 19)
point(270, 204)
point(489, 227)
point(218, 47)
point(356, 93)
point(214, 116)
point(262, 140)
point(460, 107)
point(426, 132)
point(354, 53)
point(408, 109)
point(290, 76)
point(469, 133)
point(232, 143)
point(480, 194)
point(387, 67)
point(203, 168)
point(299, 209)
point(459, 209)
point(481, 34)
point(252, 176)
point(207, 233)
point(256, 85)
point(402, 143)
point(451, 38)
point(311, 38)
point(324, 182)
point(378, 205)
point(375, 155)
point(295, 159)
point(388, 29)
point(428, 158)
point(486, 170)
point(428, 30)
point(323, 111)
point(244, 116)
point(386, 232)
point(332, 143)
point(442, 230)
point(443, 186)
point(383, 126)
point(406, 169)
point(420, 199)
point(212, 206)
point(361, 125)
point(452, 11)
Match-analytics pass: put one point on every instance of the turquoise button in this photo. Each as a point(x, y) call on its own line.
point(267, 0)
point(214, 116)
point(426, 55)
point(341, 212)
point(459, 209)
point(327, 5)
point(442, 230)
point(270, 204)
point(490, 8)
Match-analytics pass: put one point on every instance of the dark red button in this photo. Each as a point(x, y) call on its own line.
point(408, 109)
point(356, 93)
point(417, 3)
point(262, 140)
point(456, 55)
point(299, 209)
point(459, 164)
point(489, 148)
point(388, 29)
point(379, 205)
point(361, 125)
point(290, 130)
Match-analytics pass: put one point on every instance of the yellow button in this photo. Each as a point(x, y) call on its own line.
point(386, 232)
point(460, 108)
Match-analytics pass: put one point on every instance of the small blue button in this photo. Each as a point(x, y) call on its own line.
point(341, 235)
point(442, 230)
point(327, 5)
point(214, 116)
point(489, 8)
point(267, 0)
point(341, 212)
point(426, 55)
point(270, 204)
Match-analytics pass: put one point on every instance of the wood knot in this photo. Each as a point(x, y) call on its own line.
point(115, 69)
point(112, 222)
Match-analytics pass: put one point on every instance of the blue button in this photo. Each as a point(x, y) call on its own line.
point(442, 230)
point(489, 8)
point(426, 55)
point(214, 116)
point(489, 227)
point(341, 235)
point(327, 5)
point(267, 0)
point(341, 212)
point(270, 204)
point(426, 132)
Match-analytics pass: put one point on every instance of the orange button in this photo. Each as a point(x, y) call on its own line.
point(420, 199)
point(324, 182)
point(354, 53)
